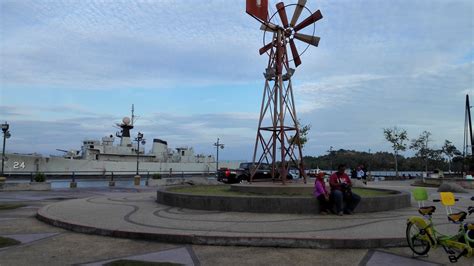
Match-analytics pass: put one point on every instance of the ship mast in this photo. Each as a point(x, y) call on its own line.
point(133, 114)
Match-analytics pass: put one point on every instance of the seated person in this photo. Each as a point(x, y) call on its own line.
point(321, 193)
point(341, 192)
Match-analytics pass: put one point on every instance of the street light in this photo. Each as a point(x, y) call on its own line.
point(6, 135)
point(218, 145)
point(139, 139)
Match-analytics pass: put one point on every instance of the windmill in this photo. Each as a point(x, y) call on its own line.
point(278, 133)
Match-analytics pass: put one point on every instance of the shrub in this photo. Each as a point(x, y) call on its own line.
point(40, 177)
point(156, 176)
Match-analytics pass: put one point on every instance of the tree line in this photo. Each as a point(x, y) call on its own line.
point(447, 158)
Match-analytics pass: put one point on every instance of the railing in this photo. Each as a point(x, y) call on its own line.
point(104, 174)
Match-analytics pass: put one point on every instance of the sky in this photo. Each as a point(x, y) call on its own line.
point(71, 69)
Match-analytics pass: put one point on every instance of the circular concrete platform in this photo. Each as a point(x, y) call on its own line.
point(137, 215)
point(275, 204)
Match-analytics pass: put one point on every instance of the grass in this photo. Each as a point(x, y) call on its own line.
point(139, 263)
point(224, 190)
point(10, 206)
point(5, 242)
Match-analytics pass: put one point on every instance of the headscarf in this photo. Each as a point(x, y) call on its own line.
point(320, 176)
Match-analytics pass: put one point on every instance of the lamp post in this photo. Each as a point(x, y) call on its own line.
point(139, 139)
point(369, 168)
point(218, 145)
point(6, 135)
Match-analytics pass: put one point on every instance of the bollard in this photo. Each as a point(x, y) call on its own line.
point(112, 182)
point(136, 180)
point(73, 183)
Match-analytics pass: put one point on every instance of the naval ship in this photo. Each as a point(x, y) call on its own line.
point(102, 157)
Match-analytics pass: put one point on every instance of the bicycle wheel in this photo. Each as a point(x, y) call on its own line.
point(416, 240)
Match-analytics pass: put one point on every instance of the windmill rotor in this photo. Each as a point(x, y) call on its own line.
point(291, 30)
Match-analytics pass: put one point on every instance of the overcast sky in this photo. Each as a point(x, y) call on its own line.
point(71, 69)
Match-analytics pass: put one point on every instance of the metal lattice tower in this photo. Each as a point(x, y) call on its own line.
point(278, 134)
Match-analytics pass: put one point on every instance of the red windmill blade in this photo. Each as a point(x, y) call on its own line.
point(294, 52)
point(265, 48)
point(309, 20)
point(282, 13)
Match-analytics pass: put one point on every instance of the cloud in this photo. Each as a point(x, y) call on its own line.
point(429, 101)
point(330, 90)
point(93, 44)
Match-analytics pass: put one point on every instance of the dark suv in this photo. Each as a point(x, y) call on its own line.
point(230, 176)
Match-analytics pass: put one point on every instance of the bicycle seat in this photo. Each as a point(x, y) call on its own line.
point(457, 217)
point(429, 210)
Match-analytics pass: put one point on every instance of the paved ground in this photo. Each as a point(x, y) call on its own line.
point(47, 245)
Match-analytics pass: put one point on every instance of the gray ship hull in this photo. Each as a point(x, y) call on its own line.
point(16, 164)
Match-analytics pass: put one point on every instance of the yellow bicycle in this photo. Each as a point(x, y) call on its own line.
point(422, 236)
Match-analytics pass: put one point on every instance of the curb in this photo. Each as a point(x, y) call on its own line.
point(252, 241)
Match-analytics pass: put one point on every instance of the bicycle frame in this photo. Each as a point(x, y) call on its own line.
point(435, 238)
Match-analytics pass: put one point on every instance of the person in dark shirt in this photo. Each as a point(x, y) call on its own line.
point(341, 192)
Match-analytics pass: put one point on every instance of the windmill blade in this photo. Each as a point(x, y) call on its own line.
point(265, 48)
point(309, 20)
point(282, 13)
point(294, 52)
point(298, 9)
point(313, 40)
point(268, 26)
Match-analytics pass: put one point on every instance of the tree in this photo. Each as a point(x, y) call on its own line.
point(420, 145)
point(303, 134)
point(396, 137)
point(450, 151)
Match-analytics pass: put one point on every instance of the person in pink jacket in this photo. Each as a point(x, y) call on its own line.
point(321, 193)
